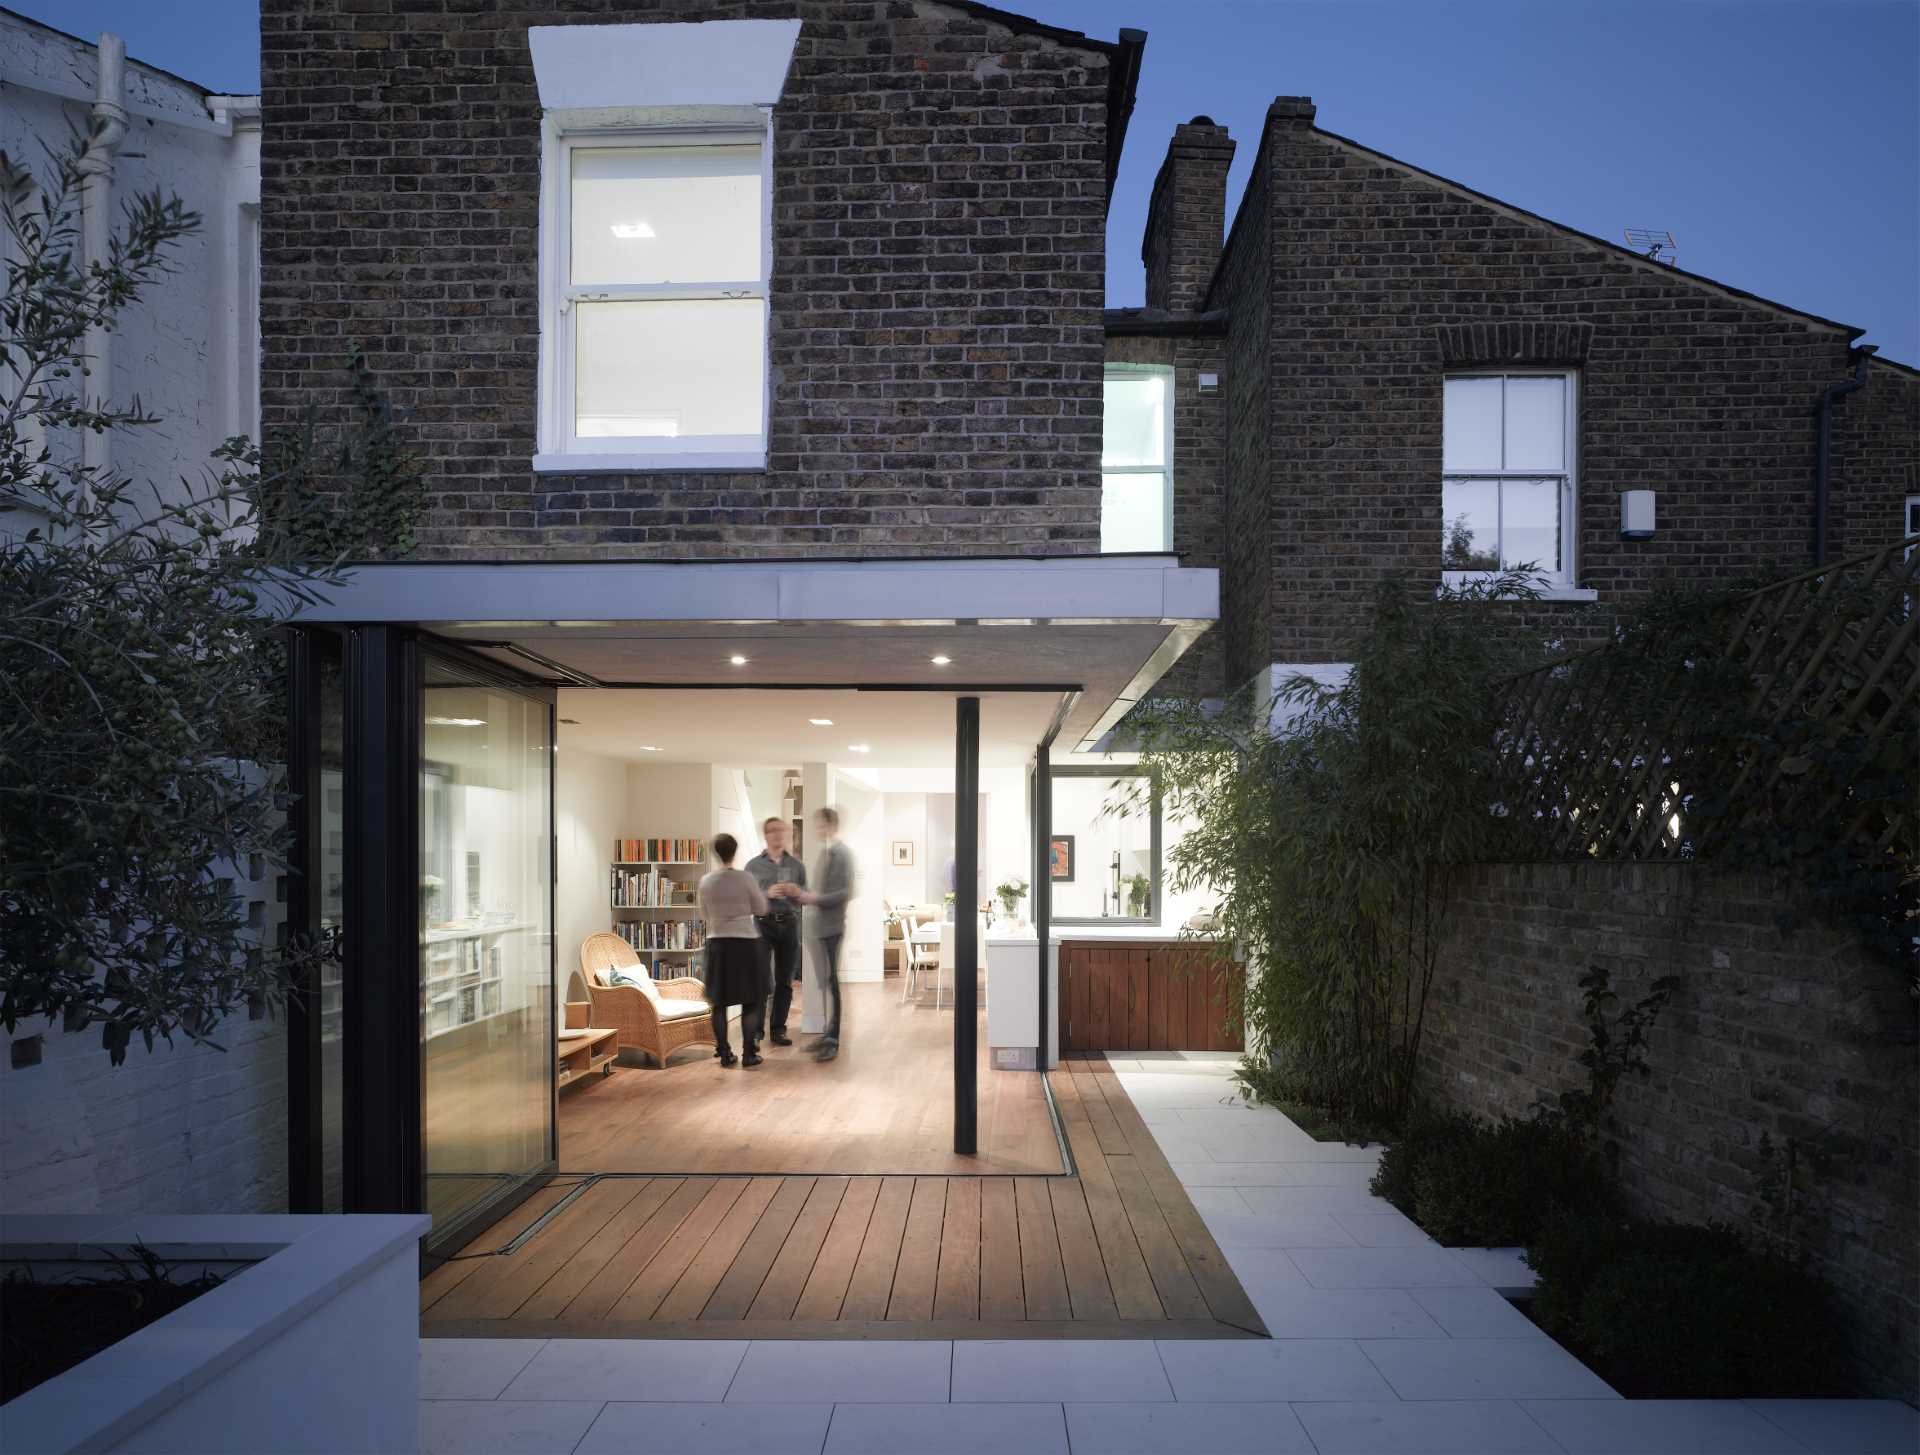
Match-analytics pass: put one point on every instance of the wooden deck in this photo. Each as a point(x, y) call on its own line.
point(1114, 1251)
point(884, 1105)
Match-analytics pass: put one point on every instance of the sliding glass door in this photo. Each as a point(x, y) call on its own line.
point(485, 940)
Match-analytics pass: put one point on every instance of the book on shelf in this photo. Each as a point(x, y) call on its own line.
point(674, 934)
point(660, 851)
point(650, 889)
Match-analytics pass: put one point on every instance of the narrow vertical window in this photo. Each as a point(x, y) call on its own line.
point(1136, 460)
point(1507, 490)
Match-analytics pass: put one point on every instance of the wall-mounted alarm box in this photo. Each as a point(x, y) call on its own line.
point(1636, 515)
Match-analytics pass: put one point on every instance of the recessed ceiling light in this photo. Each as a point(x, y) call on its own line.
point(648, 748)
point(628, 231)
point(858, 748)
point(821, 721)
point(941, 660)
point(456, 722)
point(738, 661)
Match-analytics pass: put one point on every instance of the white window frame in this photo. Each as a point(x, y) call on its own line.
point(560, 450)
point(1554, 585)
point(1165, 373)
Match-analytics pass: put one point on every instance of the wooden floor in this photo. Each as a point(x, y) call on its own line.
point(884, 1105)
point(1114, 1251)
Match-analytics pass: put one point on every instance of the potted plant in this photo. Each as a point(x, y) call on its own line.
point(1010, 894)
point(1139, 895)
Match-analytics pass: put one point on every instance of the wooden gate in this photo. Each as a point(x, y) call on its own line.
point(1128, 996)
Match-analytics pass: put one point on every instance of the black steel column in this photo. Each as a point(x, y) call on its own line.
point(381, 1088)
point(966, 923)
point(304, 1165)
point(1043, 879)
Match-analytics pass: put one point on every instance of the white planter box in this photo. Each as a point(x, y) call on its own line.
point(313, 1348)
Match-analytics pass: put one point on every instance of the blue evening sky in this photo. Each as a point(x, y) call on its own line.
point(1778, 140)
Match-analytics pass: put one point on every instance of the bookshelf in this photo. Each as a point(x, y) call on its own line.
point(653, 897)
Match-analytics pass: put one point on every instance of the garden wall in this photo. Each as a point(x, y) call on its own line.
point(1799, 1035)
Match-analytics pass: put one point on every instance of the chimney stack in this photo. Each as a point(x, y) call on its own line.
point(1187, 216)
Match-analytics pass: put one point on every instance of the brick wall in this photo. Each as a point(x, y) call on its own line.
point(1876, 456)
point(1186, 214)
point(1382, 276)
point(939, 262)
point(1799, 1036)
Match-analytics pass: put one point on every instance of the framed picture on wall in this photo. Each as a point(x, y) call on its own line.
point(1060, 858)
point(903, 853)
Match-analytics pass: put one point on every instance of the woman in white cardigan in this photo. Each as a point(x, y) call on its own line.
point(736, 955)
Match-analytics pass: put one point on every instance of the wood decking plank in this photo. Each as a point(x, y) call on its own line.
point(781, 1289)
point(505, 1283)
point(919, 1267)
point(1002, 1293)
point(739, 1287)
point(872, 1281)
point(956, 1292)
point(1088, 1292)
point(681, 1247)
point(691, 1291)
point(459, 1268)
point(826, 1286)
point(1041, 1273)
point(1127, 1276)
point(598, 1297)
point(584, 1267)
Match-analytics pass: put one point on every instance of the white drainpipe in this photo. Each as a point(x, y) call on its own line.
point(96, 227)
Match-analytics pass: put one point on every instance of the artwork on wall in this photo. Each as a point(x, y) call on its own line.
point(1060, 858)
point(903, 853)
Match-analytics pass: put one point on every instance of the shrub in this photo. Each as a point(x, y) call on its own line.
point(1674, 1310)
point(1475, 1185)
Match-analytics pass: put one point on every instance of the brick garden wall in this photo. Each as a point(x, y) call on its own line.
point(1800, 1036)
point(1383, 278)
point(939, 268)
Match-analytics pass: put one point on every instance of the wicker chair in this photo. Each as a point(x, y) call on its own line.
point(658, 1020)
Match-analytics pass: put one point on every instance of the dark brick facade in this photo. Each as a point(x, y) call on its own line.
point(1803, 1038)
point(940, 182)
point(1353, 282)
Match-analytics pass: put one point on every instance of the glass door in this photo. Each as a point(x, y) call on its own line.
point(485, 941)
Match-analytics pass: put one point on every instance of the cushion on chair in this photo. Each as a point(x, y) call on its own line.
point(680, 1010)
point(637, 977)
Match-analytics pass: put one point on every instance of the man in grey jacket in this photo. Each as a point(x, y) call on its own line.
point(833, 876)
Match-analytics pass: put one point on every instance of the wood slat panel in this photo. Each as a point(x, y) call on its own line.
point(956, 1293)
point(826, 1286)
point(1140, 968)
point(1157, 1001)
point(1177, 1030)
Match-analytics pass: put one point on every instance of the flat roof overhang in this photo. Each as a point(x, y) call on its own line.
point(1105, 628)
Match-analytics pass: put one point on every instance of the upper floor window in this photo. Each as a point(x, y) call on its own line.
point(656, 271)
point(1136, 459)
point(1507, 492)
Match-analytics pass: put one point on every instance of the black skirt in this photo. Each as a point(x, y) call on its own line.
point(736, 972)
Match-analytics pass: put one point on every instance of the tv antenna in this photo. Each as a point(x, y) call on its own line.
point(1655, 243)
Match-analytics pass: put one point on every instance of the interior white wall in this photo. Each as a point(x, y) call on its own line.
point(590, 812)
point(668, 801)
point(906, 823)
point(863, 828)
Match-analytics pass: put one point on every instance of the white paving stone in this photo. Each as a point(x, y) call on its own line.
point(946, 1429)
point(1296, 1198)
point(1502, 1268)
point(1846, 1426)
point(1277, 1230)
point(1026, 1370)
point(1267, 1370)
point(1204, 1172)
point(1271, 1264)
point(1186, 1429)
point(1333, 1174)
point(1476, 1313)
point(1344, 1313)
point(1483, 1369)
point(1448, 1427)
point(1429, 1267)
point(1382, 1229)
point(708, 1429)
point(504, 1427)
point(694, 1370)
point(1660, 1427)
point(830, 1371)
point(472, 1368)
point(1211, 1200)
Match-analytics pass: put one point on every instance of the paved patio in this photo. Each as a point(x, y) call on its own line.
point(1382, 1342)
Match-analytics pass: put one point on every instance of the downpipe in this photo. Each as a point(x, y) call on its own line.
point(107, 130)
point(1823, 452)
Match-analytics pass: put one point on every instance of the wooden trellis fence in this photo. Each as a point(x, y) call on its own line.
point(1801, 699)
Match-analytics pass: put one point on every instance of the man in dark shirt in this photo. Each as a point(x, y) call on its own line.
point(780, 926)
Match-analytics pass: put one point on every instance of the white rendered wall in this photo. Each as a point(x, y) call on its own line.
point(590, 812)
